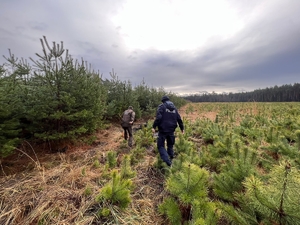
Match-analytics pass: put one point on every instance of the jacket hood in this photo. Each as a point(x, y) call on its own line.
point(170, 105)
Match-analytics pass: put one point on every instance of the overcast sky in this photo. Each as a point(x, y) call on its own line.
point(185, 46)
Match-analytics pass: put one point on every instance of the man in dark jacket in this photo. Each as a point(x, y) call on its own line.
point(127, 122)
point(166, 120)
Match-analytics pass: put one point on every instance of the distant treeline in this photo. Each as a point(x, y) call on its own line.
point(284, 93)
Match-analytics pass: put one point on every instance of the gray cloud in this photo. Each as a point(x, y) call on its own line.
point(263, 53)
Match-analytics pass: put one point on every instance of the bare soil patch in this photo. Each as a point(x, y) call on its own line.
point(195, 114)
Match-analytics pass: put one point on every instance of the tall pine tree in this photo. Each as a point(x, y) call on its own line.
point(64, 98)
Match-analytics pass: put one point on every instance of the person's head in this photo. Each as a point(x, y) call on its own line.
point(130, 107)
point(165, 98)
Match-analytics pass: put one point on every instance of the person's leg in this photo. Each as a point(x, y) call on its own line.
point(161, 148)
point(170, 143)
point(125, 133)
point(130, 136)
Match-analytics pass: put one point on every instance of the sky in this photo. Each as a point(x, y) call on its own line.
point(184, 46)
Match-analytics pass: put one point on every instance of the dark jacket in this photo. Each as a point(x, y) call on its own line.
point(167, 118)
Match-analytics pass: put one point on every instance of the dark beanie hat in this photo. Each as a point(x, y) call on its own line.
point(165, 98)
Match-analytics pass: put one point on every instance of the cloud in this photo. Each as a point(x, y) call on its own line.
point(231, 45)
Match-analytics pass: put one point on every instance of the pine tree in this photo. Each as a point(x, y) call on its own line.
point(120, 96)
point(276, 200)
point(234, 171)
point(63, 98)
point(116, 192)
point(126, 171)
point(9, 117)
point(189, 187)
point(171, 209)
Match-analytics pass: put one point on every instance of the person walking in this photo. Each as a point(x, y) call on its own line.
point(128, 117)
point(167, 118)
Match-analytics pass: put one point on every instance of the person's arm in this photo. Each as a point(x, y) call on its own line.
point(132, 117)
point(180, 122)
point(158, 117)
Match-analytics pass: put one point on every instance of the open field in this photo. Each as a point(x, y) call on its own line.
point(254, 139)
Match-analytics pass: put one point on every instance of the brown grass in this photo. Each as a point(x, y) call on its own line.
point(49, 188)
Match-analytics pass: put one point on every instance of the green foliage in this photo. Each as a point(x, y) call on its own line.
point(233, 215)
point(96, 163)
point(170, 208)
point(111, 159)
point(189, 187)
point(205, 212)
point(276, 198)
point(120, 96)
point(183, 146)
point(144, 136)
point(66, 99)
point(104, 212)
point(116, 192)
point(137, 154)
point(57, 98)
point(234, 171)
point(126, 171)
point(239, 155)
point(189, 183)
point(212, 132)
point(88, 191)
point(9, 117)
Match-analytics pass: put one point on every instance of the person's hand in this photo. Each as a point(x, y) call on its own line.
point(131, 122)
point(182, 131)
point(153, 130)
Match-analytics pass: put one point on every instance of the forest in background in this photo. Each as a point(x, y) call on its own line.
point(284, 93)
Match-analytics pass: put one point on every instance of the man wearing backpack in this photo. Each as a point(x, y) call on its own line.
point(127, 122)
point(167, 118)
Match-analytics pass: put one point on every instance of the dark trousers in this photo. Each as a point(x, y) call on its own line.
point(128, 132)
point(166, 154)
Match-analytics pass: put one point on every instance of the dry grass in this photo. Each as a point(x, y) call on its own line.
point(52, 189)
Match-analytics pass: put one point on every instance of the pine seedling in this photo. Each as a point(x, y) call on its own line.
point(233, 216)
point(276, 200)
point(112, 159)
point(104, 212)
point(205, 212)
point(116, 192)
point(234, 171)
point(87, 191)
point(126, 171)
point(170, 208)
point(137, 154)
point(96, 163)
point(182, 145)
point(144, 137)
point(188, 184)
